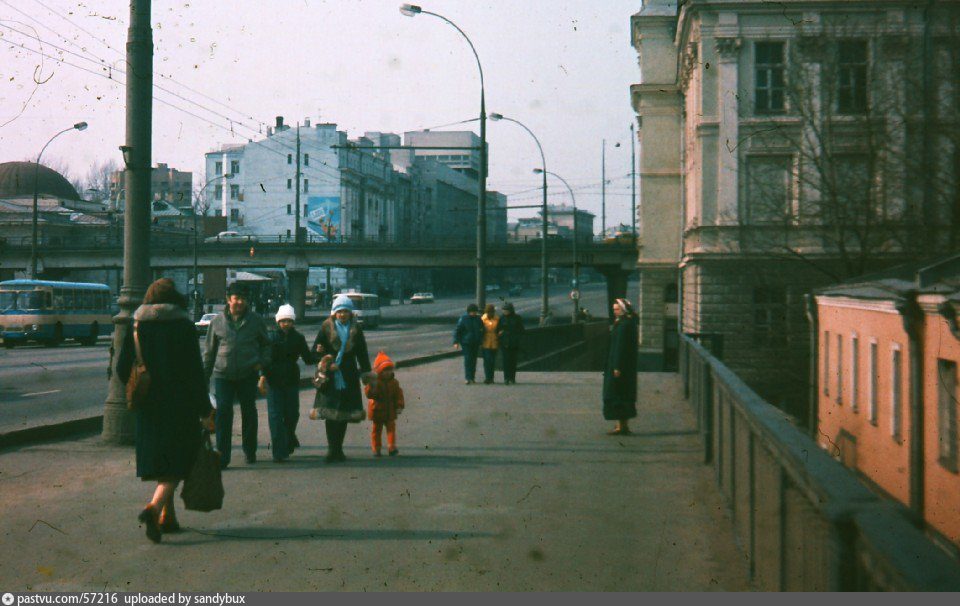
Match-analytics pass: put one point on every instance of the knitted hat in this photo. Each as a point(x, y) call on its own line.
point(382, 362)
point(286, 312)
point(341, 302)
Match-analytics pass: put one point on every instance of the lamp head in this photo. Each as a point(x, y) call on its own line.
point(127, 152)
point(495, 116)
point(228, 176)
point(80, 126)
point(410, 10)
point(538, 171)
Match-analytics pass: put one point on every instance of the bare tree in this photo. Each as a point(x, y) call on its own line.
point(97, 179)
point(859, 160)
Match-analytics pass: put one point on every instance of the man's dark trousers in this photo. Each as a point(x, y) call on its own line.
point(227, 392)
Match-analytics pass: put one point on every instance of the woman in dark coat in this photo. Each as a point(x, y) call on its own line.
point(620, 375)
point(340, 400)
point(168, 428)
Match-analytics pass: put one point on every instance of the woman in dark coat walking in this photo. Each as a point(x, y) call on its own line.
point(168, 428)
point(340, 400)
point(620, 375)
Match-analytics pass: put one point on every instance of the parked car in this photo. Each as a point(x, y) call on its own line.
point(204, 323)
point(515, 290)
point(493, 288)
point(421, 297)
point(231, 237)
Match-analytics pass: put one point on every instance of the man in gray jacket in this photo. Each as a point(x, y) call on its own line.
point(236, 354)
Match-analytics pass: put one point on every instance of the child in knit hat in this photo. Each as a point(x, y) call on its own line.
point(385, 402)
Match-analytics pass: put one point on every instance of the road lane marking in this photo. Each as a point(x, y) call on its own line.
point(42, 393)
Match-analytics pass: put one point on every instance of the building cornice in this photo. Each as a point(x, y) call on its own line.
point(887, 306)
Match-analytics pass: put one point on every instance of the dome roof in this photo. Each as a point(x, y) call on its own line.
point(16, 180)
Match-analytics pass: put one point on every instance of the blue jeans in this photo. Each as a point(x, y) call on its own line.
point(489, 363)
point(228, 391)
point(470, 361)
point(283, 412)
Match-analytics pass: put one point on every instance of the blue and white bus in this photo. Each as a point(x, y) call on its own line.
point(49, 312)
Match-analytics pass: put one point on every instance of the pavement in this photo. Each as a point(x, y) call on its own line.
point(510, 488)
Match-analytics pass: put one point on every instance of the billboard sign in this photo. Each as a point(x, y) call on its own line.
point(323, 217)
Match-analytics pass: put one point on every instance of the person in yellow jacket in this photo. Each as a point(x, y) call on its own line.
point(491, 341)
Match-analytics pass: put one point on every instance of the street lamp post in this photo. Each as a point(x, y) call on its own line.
point(196, 247)
point(36, 187)
point(576, 236)
point(544, 292)
point(412, 10)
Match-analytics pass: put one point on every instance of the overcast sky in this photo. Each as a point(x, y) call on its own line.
point(562, 67)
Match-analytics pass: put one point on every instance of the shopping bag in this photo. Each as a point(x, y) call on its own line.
point(203, 488)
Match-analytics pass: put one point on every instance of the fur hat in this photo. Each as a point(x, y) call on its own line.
point(286, 312)
point(382, 362)
point(341, 302)
point(472, 308)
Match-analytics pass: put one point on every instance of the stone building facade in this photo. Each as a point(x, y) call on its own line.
point(787, 146)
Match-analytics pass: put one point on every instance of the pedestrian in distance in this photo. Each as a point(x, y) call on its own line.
point(236, 355)
point(339, 400)
point(620, 375)
point(281, 383)
point(510, 331)
point(490, 343)
point(384, 405)
point(467, 337)
point(176, 408)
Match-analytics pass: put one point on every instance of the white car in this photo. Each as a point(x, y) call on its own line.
point(204, 322)
point(230, 237)
point(421, 297)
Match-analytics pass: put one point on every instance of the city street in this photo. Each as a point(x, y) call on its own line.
point(44, 385)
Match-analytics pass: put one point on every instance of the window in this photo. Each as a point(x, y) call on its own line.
point(234, 215)
point(289, 183)
point(852, 76)
point(289, 158)
point(826, 363)
point(288, 233)
point(874, 384)
point(947, 413)
point(839, 369)
point(234, 167)
point(218, 168)
point(896, 395)
point(289, 209)
point(769, 315)
point(306, 159)
point(769, 91)
point(304, 211)
point(234, 192)
point(854, 373)
point(769, 189)
point(306, 185)
point(218, 192)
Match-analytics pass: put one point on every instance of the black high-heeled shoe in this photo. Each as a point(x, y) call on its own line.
point(150, 518)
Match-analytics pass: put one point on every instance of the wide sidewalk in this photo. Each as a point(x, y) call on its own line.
point(496, 488)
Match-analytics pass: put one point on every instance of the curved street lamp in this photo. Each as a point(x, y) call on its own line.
point(412, 10)
point(544, 292)
point(36, 187)
point(576, 236)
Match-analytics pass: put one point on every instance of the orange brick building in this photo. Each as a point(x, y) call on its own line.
point(886, 359)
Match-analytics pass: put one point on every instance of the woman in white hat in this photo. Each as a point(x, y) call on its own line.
point(340, 400)
point(281, 383)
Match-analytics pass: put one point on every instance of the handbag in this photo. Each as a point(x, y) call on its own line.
point(139, 382)
point(203, 488)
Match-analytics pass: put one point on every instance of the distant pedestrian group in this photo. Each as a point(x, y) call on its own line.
point(483, 336)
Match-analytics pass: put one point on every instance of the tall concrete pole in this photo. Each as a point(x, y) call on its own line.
point(482, 200)
point(603, 189)
point(117, 421)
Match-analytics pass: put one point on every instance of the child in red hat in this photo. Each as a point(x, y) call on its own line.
point(385, 403)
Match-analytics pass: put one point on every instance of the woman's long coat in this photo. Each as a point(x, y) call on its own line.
point(167, 431)
point(345, 405)
point(620, 393)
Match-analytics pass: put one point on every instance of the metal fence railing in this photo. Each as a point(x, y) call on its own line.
point(806, 522)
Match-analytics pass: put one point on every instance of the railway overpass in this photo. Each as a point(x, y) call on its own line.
point(614, 261)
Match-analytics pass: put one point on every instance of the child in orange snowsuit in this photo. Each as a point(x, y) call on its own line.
point(385, 403)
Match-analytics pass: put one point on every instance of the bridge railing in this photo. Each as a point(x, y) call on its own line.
point(805, 521)
point(163, 239)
